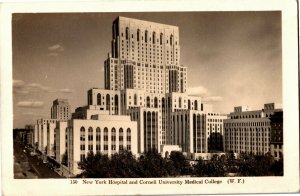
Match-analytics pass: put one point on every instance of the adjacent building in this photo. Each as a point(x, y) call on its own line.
point(276, 142)
point(61, 109)
point(249, 131)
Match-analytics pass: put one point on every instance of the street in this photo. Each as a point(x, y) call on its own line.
point(28, 167)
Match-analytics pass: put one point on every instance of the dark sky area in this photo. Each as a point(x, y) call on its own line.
point(233, 58)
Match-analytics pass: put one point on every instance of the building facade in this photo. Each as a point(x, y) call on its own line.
point(144, 79)
point(61, 109)
point(248, 131)
point(144, 100)
point(104, 134)
point(276, 143)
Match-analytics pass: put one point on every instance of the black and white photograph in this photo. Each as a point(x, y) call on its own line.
point(150, 98)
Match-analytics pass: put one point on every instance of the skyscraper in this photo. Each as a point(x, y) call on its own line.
point(144, 55)
point(144, 79)
point(61, 109)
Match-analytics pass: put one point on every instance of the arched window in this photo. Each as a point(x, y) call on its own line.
point(161, 38)
point(146, 36)
point(196, 105)
point(128, 139)
point(113, 136)
point(107, 102)
point(98, 99)
point(171, 40)
point(138, 35)
point(148, 102)
point(90, 130)
point(135, 99)
point(82, 134)
point(153, 37)
point(98, 133)
point(105, 135)
point(155, 102)
point(121, 139)
point(127, 32)
point(189, 104)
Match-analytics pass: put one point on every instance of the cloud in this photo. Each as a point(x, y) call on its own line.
point(35, 87)
point(203, 92)
point(34, 114)
point(20, 87)
point(30, 104)
point(197, 90)
point(212, 99)
point(66, 90)
point(55, 50)
point(18, 83)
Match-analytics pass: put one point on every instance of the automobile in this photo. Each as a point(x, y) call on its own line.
point(45, 161)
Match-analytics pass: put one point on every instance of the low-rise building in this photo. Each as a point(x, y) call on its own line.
point(248, 131)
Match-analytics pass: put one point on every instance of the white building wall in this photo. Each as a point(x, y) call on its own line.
point(76, 124)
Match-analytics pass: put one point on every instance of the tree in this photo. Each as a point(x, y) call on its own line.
point(215, 167)
point(124, 165)
point(151, 164)
point(199, 168)
point(277, 168)
point(180, 163)
point(95, 166)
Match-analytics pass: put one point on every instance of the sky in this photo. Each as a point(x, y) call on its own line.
point(233, 58)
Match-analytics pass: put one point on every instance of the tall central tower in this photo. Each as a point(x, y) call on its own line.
point(145, 55)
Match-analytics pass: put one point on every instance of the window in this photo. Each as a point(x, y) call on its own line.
point(155, 102)
point(138, 35)
point(161, 38)
point(90, 134)
point(105, 137)
point(146, 36)
point(107, 102)
point(98, 134)
point(135, 99)
point(148, 102)
point(82, 134)
point(179, 102)
point(127, 33)
point(171, 40)
point(128, 135)
point(196, 105)
point(113, 139)
point(98, 99)
point(105, 147)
